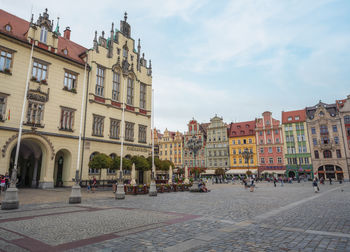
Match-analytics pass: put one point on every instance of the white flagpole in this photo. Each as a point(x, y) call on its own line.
point(152, 126)
point(122, 133)
point(14, 171)
point(81, 125)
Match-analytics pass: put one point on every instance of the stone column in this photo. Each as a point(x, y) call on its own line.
point(35, 172)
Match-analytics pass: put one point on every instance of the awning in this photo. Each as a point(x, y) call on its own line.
point(273, 171)
point(241, 171)
point(209, 172)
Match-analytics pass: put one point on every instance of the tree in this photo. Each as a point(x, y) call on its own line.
point(115, 164)
point(157, 162)
point(141, 163)
point(165, 165)
point(100, 161)
point(219, 172)
point(249, 173)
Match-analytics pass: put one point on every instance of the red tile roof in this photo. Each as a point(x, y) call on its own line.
point(19, 31)
point(242, 129)
point(292, 115)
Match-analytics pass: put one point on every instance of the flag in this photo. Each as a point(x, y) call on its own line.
point(9, 115)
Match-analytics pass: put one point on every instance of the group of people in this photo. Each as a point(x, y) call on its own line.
point(91, 187)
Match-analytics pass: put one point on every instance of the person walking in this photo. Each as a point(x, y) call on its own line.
point(274, 182)
point(94, 183)
point(330, 180)
point(315, 185)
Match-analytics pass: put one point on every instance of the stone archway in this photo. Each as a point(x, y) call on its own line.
point(291, 174)
point(29, 163)
point(63, 163)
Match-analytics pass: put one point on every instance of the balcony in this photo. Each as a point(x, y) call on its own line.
point(326, 146)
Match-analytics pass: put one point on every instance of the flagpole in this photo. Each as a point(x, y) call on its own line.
point(120, 194)
point(75, 196)
point(11, 196)
point(153, 186)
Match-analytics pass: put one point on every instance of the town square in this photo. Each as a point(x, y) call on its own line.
point(175, 125)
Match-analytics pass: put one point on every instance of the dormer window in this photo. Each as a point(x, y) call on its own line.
point(43, 35)
point(321, 114)
point(8, 28)
point(65, 52)
point(290, 118)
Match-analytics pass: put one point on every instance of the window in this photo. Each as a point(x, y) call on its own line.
point(240, 161)
point(277, 140)
point(279, 160)
point(261, 150)
point(338, 153)
point(325, 140)
point(269, 140)
point(39, 72)
point(306, 160)
point(250, 140)
point(239, 142)
point(317, 156)
point(3, 99)
point(290, 118)
point(114, 129)
point(116, 86)
point(125, 52)
point(142, 134)
point(327, 154)
point(233, 142)
point(270, 149)
point(234, 151)
point(93, 171)
point(130, 92)
point(260, 133)
point(43, 34)
point(314, 141)
point(100, 76)
point(323, 129)
point(270, 160)
point(261, 141)
point(35, 113)
point(336, 140)
point(142, 96)
point(268, 132)
point(70, 80)
point(5, 59)
point(276, 132)
point(263, 160)
point(313, 130)
point(244, 141)
point(8, 27)
point(335, 129)
point(234, 161)
point(67, 119)
point(97, 125)
point(129, 131)
point(297, 118)
point(278, 149)
point(301, 160)
point(347, 119)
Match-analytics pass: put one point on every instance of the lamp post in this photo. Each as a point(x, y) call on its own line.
point(194, 144)
point(247, 155)
point(153, 185)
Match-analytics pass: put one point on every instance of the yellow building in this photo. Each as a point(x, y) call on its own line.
point(170, 147)
point(242, 138)
point(49, 145)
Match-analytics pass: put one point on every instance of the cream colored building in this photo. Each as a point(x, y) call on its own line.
point(326, 141)
point(49, 146)
point(170, 147)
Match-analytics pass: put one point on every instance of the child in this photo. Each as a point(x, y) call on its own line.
point(89, 187)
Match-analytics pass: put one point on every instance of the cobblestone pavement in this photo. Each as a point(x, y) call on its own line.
point(229, 218)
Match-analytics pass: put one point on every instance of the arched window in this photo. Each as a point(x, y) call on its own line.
point(93, 171)
point(317, 156)
point(327, 154)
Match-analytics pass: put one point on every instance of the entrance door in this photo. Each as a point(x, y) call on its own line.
point(140, 177)
point(59, 180)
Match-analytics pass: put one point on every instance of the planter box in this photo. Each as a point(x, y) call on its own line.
point(142, 190)
point(160, 188)
point(130, 190)
point(167, 188)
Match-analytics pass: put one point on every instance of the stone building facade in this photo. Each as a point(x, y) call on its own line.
point(269, 140)
point(170, 147)
point(326, 141)
point(344, 114)
point(199, 131)
point(217, 154)
point(115, 71)
point(242, 138)
point(297, 156)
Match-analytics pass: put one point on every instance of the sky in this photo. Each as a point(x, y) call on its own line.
point(235, 59)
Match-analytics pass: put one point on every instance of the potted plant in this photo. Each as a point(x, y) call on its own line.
point(43, 81)
point(33, 78)
point(7, 70)
point(74, 90)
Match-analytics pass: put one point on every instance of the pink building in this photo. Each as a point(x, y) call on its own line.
point(269, 141)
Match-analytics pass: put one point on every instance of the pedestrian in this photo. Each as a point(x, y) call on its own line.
point(94, 183)
point(252, 185)
point(315, 185)
point(2, 183)
point(88, 189)
point(282, 182)
point(274, 182)
point(330, 180)
point(7, 180)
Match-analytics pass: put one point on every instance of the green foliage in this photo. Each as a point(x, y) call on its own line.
point(141, 163)
point(249, 173)
point(115, 164)
point(219, 171)
point(165, 165)
point(100, 161)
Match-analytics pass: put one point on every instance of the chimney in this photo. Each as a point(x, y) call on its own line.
point(66, 33)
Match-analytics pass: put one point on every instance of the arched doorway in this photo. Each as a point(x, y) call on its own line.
point(330, 171)
point(291, 174)
point(29, 163)
point(62, 167)
point(339, 173)
point(321, 172)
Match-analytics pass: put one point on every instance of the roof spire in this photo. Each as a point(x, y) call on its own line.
point(125, 16)
point(57, 30)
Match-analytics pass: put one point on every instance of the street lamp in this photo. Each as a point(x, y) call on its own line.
point(247, 155)
point(194, 144)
